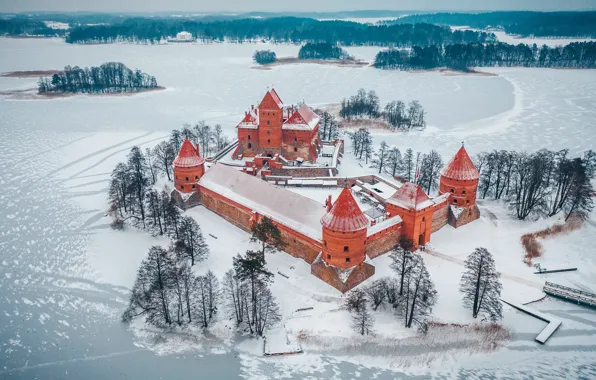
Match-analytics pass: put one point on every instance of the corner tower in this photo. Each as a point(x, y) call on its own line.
point(270, 116)
point(460, 179)
point(416, 209)
point(189, 167)
point(344, 232)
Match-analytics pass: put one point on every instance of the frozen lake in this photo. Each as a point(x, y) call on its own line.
point(59, 315)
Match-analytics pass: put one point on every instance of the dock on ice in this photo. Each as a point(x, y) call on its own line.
point(278, 342)
point(553, 323)
point(570, 294)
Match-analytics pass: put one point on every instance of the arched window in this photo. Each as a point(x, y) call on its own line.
point(346, 248)
point(268, 131)
point(295, 149)
point(452, 190)
point(347, 259)
point(268, 122)
point(295, 139)
point(463, 192)
point(196, 177)
point(187, 178)
point(455, 201)
point(249, 137)
point(249, 145)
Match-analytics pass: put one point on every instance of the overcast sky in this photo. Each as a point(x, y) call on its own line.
point(286, 5)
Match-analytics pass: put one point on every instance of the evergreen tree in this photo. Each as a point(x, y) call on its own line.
point(192, 244)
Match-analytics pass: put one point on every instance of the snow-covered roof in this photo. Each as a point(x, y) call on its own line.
point(460, 167)
point(303, 119)
point(410, 197)
point(188, 156)
point(345, 215)
point(387, 223)
point(295, 211)
point(250, 121)
point(382, 189)
point(270, 99)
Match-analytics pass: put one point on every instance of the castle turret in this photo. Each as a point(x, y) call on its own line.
point(416, 209)
point(189, 167)
point(270, 116)
point(344, 232)
point(460, 179)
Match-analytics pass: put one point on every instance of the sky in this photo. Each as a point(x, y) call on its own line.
point(287, 5)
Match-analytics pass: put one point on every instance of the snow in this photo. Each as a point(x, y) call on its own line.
point(278, 341)
point(56, 242)
point(383, 225)
point(381, 189)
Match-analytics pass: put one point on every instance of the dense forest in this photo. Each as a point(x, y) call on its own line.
point(464, 56)
point(22, 26)
point(110, 77)
point(554, 24)
point(263, 57)
point(283, 29)
point(322, 50)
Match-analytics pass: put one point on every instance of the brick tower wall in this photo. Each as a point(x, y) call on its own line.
point(185, 179)
point(463, 193)
point(344, 250)
point(270, 122)
point(440, 216)
point(383, 241)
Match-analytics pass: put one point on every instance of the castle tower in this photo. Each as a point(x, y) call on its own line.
point(460, 178)
point(270, 116)
point(344, 232)
point(415, 208)
point(189, 167)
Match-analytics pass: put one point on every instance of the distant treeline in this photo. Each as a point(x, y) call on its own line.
point(555, 24)
point(282, 29)
point(107, 78)
point(21, 26)
point(464, 56)
point(322, 50)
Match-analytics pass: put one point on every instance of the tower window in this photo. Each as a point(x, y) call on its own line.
point(249, 145)
point(295, 149)
point(268, 132)
point(328, 257)
point(325, 243)
point(347, 259)
point(268, 122)
point(468, 201)
point(193, 187)
point(423, 218)
point(455, 201)
point(196, 177)
point(187, 178)
point(346, 248)
point(295, 139)
point(182, 187)
point(249, 137)
point(463, 192)
point(452, 190)
point(268, 140)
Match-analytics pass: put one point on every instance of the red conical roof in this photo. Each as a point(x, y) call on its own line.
point(188, 156)
point(460, 167)
point(411, 197)
point(345, 215)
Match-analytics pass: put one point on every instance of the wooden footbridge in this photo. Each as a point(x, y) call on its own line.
point(570, 294)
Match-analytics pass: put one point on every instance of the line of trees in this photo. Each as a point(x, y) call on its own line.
point(322, 50)
point(367, 105)
point(209, 139)
point(107, 78)
point(275, 29)
point(263, 57)
point(23, 26)
point(525, 23)
point(543, 183)
point(464, 56)
point(328, 126)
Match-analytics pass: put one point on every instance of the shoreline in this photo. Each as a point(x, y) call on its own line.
point(30, 73)
point(33, 94)
point(452, 72)
point(294, 60)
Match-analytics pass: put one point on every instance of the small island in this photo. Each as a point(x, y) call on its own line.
point(109, 78)
point(319, 53)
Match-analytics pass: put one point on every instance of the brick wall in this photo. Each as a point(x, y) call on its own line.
point(440, 217)
point(468, 215)
point(304, 172)
point(382, 242)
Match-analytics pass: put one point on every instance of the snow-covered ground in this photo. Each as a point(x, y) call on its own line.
point(64, 275)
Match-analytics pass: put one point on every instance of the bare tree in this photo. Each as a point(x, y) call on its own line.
point(362, 320)
point(165, 155)
point(419, 296)
point(480, 285)
point(192, 243)
point(429, 170)
point(403, 259)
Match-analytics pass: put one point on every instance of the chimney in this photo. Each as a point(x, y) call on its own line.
point(328, 203)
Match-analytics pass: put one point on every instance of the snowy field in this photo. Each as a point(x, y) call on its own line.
point(64, 275)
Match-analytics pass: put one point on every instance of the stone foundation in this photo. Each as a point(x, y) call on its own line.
point(333, 276)
point(469, 214)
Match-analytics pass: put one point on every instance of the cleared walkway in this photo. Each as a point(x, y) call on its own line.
point(553, 323)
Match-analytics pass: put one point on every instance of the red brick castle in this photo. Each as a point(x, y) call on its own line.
point(270, 129)
point(337, 239)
